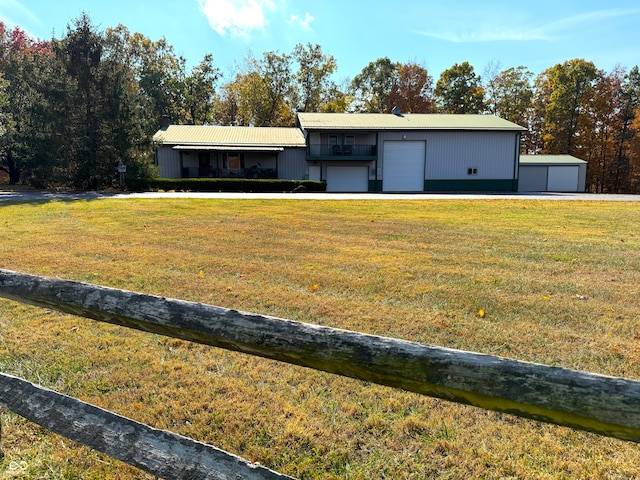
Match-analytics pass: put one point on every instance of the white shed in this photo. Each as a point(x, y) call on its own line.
point(552, 173)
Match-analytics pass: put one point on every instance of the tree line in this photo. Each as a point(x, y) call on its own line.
point(72, 109)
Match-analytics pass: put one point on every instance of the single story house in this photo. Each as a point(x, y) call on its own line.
point(372, 152)
point(552, 173)
point(188, 151)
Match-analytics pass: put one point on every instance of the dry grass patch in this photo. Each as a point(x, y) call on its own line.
point(558, 283)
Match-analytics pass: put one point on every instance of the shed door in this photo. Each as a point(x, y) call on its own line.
point(403, 168)
point(532, 178)
point(563, 179)
point(347, 178)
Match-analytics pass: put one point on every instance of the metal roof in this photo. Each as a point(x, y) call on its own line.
point(409, 121)
point(550, 160)
point(232, 137)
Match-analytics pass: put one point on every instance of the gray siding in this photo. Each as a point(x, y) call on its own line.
point(292, 164)
point(582, 178)
point(450, 154)
point(169, 162)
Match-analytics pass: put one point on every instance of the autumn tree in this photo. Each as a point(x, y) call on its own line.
point(383, 85)
point(160, 74)
point(337, 99)
point(595, 135)
point(200, 92)
point(459, 90)
point(627, 158)
point(313, 76)
point(22, 60)
point(563, 90)
point(634, 153)
point(373, 86)
point(90, 117)
point(509, 94)
point(228, 103)
point(413, 90)
point(263, 93)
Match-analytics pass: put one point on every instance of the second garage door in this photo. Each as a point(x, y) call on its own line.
point(347, 179)
point(563, 179)
point(403, 169)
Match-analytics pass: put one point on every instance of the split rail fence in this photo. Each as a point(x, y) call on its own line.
point(601, 404)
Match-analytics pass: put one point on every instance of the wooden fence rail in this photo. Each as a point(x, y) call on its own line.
point(597, 403)
point(162, 453)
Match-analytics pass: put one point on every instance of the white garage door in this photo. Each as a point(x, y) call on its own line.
point(563, 179)
point(347, 179)
point(403, 169)
point(532, 178)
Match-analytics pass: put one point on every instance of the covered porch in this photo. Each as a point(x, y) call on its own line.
point(228, 161)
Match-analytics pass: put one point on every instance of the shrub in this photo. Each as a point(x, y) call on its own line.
point(225, 185)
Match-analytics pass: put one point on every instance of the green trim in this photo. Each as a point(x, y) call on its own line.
point(375, 185)
point(489, 185)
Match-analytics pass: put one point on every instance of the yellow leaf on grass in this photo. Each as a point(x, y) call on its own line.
point(480, 313)
point(313, 287)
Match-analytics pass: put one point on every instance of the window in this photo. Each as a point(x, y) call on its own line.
point(232, 161)
point(472, 171)
point(349, 142)
point(334, 147)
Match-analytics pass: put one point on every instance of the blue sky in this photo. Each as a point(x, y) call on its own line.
point(434, 34)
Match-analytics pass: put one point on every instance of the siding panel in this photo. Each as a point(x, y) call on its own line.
point(450, 154)
point(169, 163)
point(292, 164)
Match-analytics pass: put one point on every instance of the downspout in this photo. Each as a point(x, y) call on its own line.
point(516, 166)
point(375, 162)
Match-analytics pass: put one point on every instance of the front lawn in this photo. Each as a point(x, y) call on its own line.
point(558, 283)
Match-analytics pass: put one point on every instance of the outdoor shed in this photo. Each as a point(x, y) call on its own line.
point(552, 173)
point(370, 152)
point(188, 151)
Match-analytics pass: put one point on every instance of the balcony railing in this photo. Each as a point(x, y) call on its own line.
point(343, 152)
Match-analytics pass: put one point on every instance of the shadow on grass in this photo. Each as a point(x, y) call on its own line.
point(10, 194)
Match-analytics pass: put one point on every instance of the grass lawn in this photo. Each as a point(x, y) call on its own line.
point(559, 283)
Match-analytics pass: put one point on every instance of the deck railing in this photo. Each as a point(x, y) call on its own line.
point(596, 403)
point(343, 152)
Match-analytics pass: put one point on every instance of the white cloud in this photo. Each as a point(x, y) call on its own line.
point(488, 35)
point(237, 17)
point(519, 33)
point(13, 12)
point(305, 22)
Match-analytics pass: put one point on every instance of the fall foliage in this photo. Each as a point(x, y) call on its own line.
point(72, 108)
